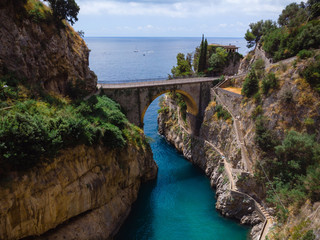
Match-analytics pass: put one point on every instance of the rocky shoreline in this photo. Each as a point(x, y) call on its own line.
point(200, 152)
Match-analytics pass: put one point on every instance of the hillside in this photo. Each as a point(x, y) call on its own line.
point(34, 48)
point(286, 116)
point(259, 141)
point(69, 168)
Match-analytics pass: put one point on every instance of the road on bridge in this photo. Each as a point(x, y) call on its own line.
point(155, 83)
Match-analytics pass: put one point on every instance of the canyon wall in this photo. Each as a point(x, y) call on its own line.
point(87, 189)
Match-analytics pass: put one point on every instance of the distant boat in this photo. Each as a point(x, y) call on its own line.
point(136, 50)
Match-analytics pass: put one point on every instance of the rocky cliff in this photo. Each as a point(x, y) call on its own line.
point(33, 48)
point(216, 135)
point(85, 192)
point(291, 104)
point(87, 189)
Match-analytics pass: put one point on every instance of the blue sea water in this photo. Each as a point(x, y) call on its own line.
point(121, 59)
point(179, 204)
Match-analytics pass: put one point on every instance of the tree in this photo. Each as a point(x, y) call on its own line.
point(251, 84)
point(65, 9)
point(257, 30)
point(250, 38)
point(183, 67)
point(203, 55)
point(313, 7)
point(218, 59)
point(296, 153)
point(293, 15)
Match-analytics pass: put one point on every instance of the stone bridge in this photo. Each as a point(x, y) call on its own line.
point(135, 98)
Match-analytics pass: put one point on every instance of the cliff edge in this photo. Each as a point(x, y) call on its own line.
point(34, 48)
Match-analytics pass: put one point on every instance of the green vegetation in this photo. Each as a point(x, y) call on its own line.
point(265, 138)
point(207, 60)
point(38, 13)
point(178, 98)
point(257, 30)
point(257, 112)
point(284, 43)
point(293, 167)
point(298, 28)
point(251, 84)
point(303, 54)
point(33, 129)
point(293, 15)
point(183, 68)
point(64, 9)
point(218, 60)
point(269, 82)
point(312, 73)
point(222, 113)
point(202, 62)
point(309, 235)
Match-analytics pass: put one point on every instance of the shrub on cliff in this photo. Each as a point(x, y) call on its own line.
point(268, 83)
point(264, 137)
point(312, 74)
point(25, 139)
point(222, 113)
point(33, 131)
point(294, 170)
point(251, 84)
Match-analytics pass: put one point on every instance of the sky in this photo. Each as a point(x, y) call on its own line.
point(173, 18)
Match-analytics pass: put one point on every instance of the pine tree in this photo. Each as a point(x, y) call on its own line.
point(205, 48)
point(203, 55)
point(200, 66)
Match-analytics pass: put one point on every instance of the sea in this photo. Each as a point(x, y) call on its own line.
point(129, 59)
point(180, 203)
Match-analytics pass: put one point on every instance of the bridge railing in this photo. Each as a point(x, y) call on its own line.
point(149, 79)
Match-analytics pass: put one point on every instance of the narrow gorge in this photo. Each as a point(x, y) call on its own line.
point(226, 148)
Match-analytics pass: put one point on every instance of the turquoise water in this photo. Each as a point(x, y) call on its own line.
point(180, 204)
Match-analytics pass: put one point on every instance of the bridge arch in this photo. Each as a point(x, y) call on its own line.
point(192, 107)
point(135, 98)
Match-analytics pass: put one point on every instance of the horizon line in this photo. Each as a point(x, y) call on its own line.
point(154, 37)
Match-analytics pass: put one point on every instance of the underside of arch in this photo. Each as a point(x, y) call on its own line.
point(192, 107)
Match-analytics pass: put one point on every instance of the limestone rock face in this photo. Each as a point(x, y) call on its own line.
point(90, 188)
point(41, 53)
point(200, 151)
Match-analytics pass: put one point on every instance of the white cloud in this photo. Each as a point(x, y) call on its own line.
point(175, 17)
point(179, 9)
point(132, 9)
